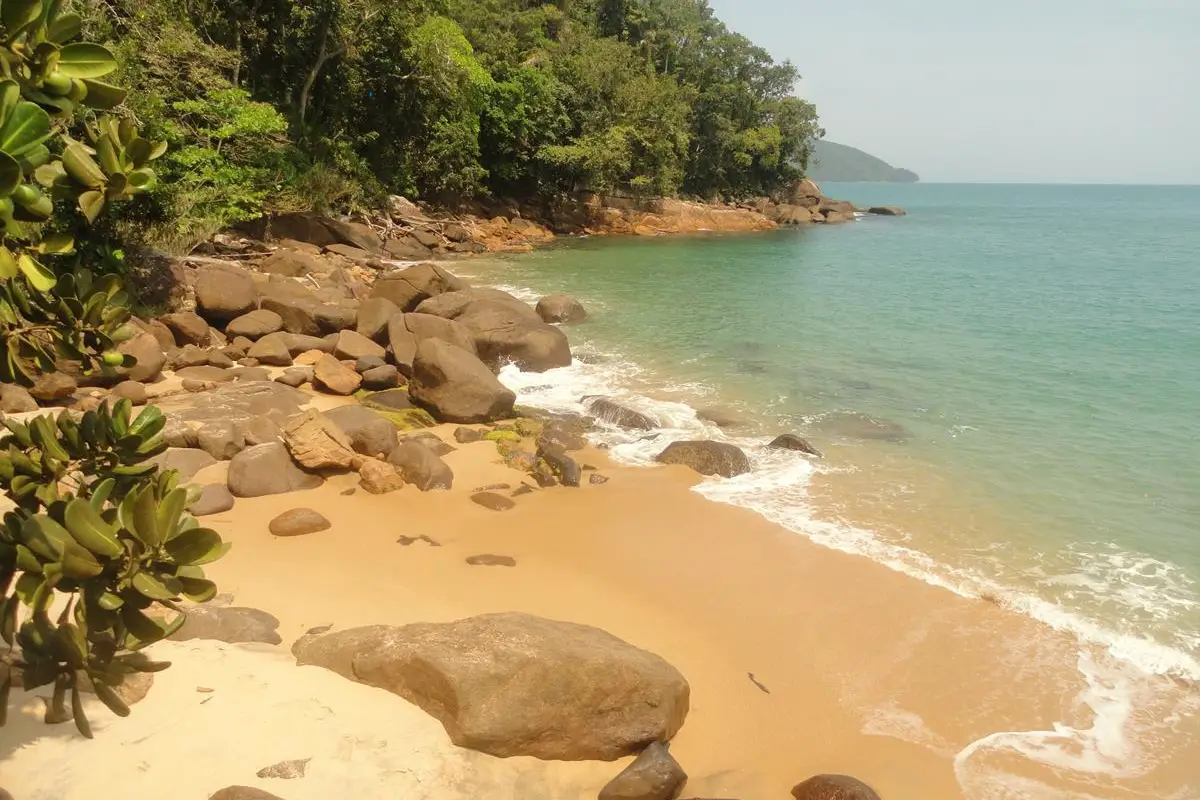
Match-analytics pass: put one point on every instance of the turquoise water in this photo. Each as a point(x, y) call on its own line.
point(1034, 351)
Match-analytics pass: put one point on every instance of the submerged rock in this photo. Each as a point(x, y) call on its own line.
point(856, 425)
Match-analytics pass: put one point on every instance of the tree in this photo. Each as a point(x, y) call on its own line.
point(96, 535)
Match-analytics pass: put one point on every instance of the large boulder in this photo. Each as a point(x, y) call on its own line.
point(653, 775)
point(707, 458)
point(267, 469)
point(505, 328)
point(406, 331)
point(316, 442)
point(148, 352)
point(351, 346)
point(214, 499)
point(790, 441)
point(335, 377)
point(50, 387)
point(373, 317)
point(187, 462)
point(561, 308)
point(304, 312)
point(255, 325)
point(224, 293)
point(613, 413)
point(455, 386)
point(517, 685)
point(271, 350)
point(421, 467)
point(187, 327)
point(409, 287)
point(355, 234)
point(307, 228)
point(292, 264)
point(370, 434)
point(833, 787)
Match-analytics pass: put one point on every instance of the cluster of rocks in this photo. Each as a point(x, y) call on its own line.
point(805, 204)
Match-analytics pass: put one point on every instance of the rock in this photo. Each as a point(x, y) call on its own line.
point(298, 522)
point(51, 387)
point(606, 410)
point(285, 770)
point(517, 685)
point(565, 470)
point(316, 442)
point(561, 308)
point(456, 386)
point(833, 787)
point(223, 293)
point(653, 775)
point(409, 287)
point(492, 501)
point(567, 435)
point(368, 432)
point(707, 458)
point(430, 441)
point(252, 373)
point(296, 376)
point(186, 462)
point(335, 377)
point(505, 329)
point(272, 350)
point(350, 252)
point(299, 344)
point(188, 327)
point(267, 469)
point(861, 426)
point(195, 385)
point(16, 399)
point(221, 440)
point(295, 305)
point(190, 356)
point(216, 358)
point(300, 227)
point(352, 346)
point(380, 378)
point(456, 233)
point(378, 477)
point(231, 624)
point(406, 331)
point(373, 317)
point(419, 466)
point(150, 358)
point(887, 211)
point(365, 363)
point(489, 560)
point(427, 238)
point(132, 689)
point(166, 339)
point(595, 479)
point(789, 441)
point(260, 430)
point(292, 264)
point(355, 234)
point(256, 324)
point(719, 417)
point(467, 435)
point(243, 793)
point(177, 433)
point(207, 374)
point(406, 248)
point(214, 499)
point(334, 317)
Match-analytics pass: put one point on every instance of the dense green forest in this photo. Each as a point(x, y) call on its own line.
point(831, 161)
point(273, 105)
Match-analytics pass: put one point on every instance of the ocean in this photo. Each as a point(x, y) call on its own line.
point(1005, 384)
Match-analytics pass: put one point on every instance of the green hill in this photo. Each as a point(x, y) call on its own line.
point(838, 162)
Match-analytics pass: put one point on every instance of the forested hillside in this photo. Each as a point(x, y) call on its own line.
point(831, 161)
point(271, 105)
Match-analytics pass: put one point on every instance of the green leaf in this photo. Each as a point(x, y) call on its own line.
point(149, 586)
point(11, 174)
point(89, 529)
point(169, 512)
point(196, 547)
point(33, 158)
point(64, 28)
point(17, 14)
point(26, 128)
point(198, 590)
point(39, 277)
point(85, 60)
point(91, 204)
point(81, 167)
point(56, 244)
point(145, 519)
point(142, 179)
point(10, 95)
point(103, 96)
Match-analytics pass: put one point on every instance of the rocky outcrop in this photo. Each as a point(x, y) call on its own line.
point(707, 458)
point(513, 684)
point(406, 331)
point(505, 329)
point(268, 469)
point(456, 386)
point(790, 441)
point(421, 467)
point(560, 308)
point(368, 432)
point(298, 522)
point(833, 787)
point(653, 775)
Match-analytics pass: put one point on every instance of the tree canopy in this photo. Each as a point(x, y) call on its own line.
point(338, 100)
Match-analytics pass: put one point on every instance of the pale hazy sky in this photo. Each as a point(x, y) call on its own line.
point(1049, 91)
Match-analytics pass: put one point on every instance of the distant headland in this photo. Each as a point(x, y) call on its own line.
point(840, 163)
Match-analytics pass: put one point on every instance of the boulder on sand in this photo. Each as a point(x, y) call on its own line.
point(223, 293)
point(505, 328)
point(406, 331)
point(272, 350)
point(255, 324)
point(409, 287)
point(561, 308)
point(188, 327)
point(707, 458)
point(334, 376)
point(456, 386)
point(833, 787)
point(151, 359)
point(352, 346)
point(298, 522)
point(421, 467)
point(370, 434)
point(316, 442)
point(268, 469)
point(517, 685)
point(653, 775)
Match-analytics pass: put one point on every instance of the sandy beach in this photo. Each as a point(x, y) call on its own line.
point(801, 660)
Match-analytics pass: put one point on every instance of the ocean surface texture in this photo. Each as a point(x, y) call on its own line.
point(1006, 384)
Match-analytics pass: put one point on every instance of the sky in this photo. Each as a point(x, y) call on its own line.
point(1025, 91)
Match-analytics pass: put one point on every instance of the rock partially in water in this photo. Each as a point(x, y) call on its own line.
point(707, 458)
point(790, 441)
point(561, 308)
point(615, 414)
